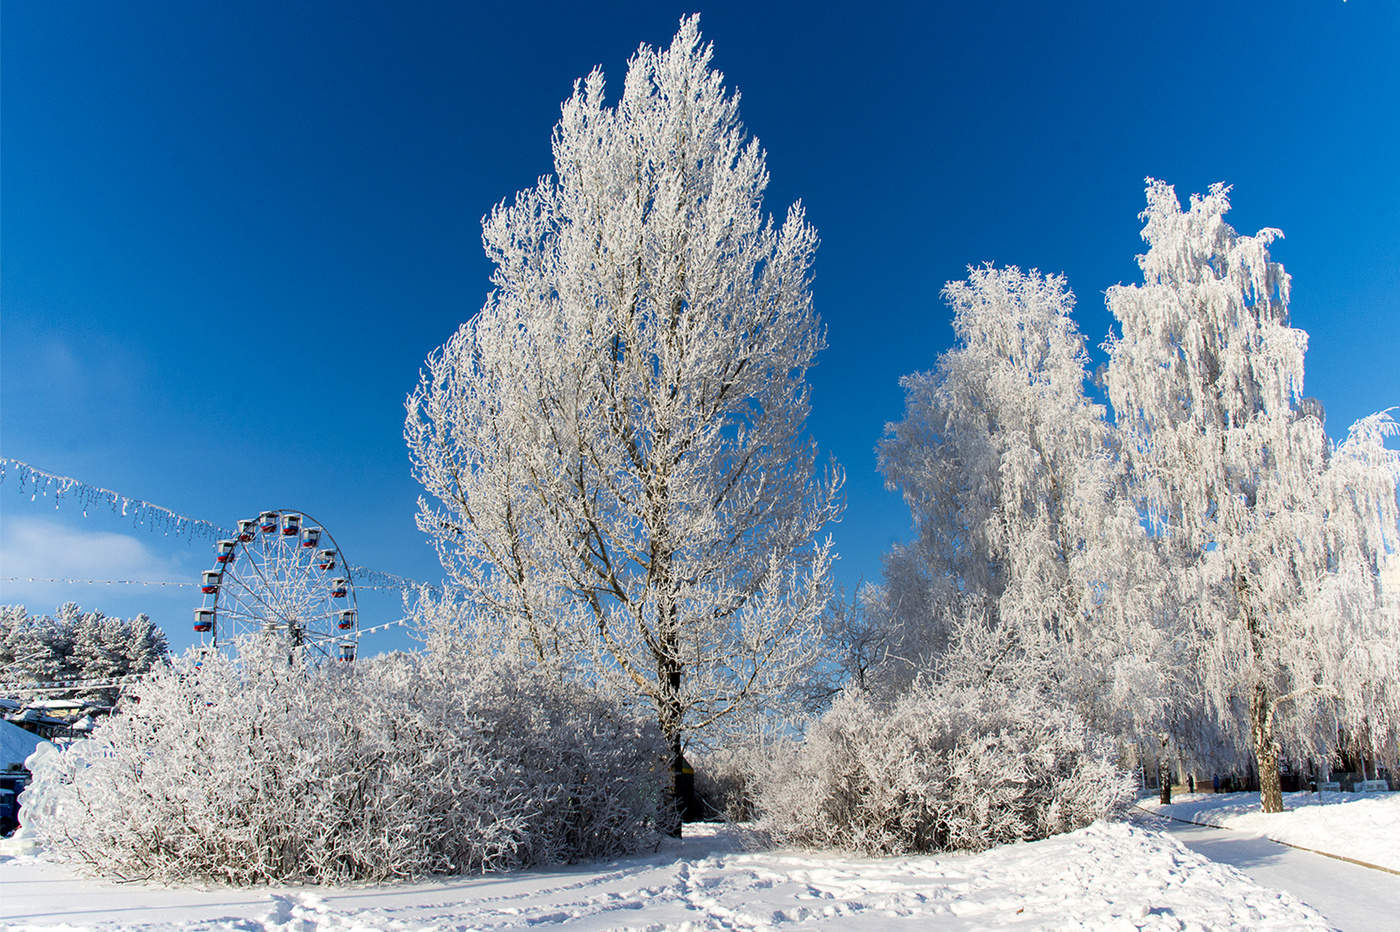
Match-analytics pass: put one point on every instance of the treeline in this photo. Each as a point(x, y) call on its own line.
point(1196, 567)
point(73, 644)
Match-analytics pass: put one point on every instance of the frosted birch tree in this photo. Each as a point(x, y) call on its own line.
point(1275, 539)
point(613, 448)
point(1029, 566)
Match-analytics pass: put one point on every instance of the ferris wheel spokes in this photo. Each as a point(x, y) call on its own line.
point(274, 578)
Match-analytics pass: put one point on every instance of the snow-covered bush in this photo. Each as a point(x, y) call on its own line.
point(940, 768)
point(258, 770)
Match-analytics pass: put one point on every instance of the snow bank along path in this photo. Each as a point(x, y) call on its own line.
point(1106, 876)
point(1362, 827)
point(1353, 898)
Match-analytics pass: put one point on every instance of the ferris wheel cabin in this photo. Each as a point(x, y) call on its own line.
point(326, 560)
point(246, 527)
point(225, 552)
point(339, 587)
point(347, 651)
point(291, 525)
point(203, 619)
point(345, 619)
point(211, 581)
point(267, 521)
point(310, 536)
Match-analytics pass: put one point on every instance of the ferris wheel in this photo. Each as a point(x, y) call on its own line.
point(281, 576)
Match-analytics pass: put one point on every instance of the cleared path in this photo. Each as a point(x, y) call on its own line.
point(1353, 898)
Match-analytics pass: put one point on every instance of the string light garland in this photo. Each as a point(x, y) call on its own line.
point(98, 582)
point(154, 517)
point(66, 685)
point(400, 623)
point(399, 587)
point(141, 512)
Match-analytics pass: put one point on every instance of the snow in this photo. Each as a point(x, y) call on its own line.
point(16, 744)
point(1361, 826)
point(1105, 876)
point(1352, 898)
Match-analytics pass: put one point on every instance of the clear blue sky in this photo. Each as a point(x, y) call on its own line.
point(232, 232)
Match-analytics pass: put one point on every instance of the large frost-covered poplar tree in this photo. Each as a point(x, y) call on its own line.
point(614, 447)
point(1275, 538)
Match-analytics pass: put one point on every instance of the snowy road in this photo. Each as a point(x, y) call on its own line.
point(1353, 898)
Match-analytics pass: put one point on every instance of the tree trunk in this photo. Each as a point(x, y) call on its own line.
point(678, 788)
point(682, 779)
point(1265, 752)
point(669, 669)
point(1164, 776)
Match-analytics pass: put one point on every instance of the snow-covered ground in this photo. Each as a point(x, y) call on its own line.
point(1363, 826)
point(1107, 876)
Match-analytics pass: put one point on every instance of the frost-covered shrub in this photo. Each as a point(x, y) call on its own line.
point(261, 771)
point(938, 769)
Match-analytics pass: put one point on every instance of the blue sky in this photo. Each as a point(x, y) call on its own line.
point(232, 232)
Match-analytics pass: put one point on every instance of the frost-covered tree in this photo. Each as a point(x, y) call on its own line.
point(1275, 539)
point(613, 447)
point(859, 636)
point(73, 644)
point(1029, 566)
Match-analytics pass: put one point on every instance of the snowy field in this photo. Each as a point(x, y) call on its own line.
point(1107, 876)
point(1363, 826)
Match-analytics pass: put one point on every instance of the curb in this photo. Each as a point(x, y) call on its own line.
point(1325, 854)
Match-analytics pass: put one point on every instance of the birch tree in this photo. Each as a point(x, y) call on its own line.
point(1275, 538)
point(1029, 567)
point(613, 448)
